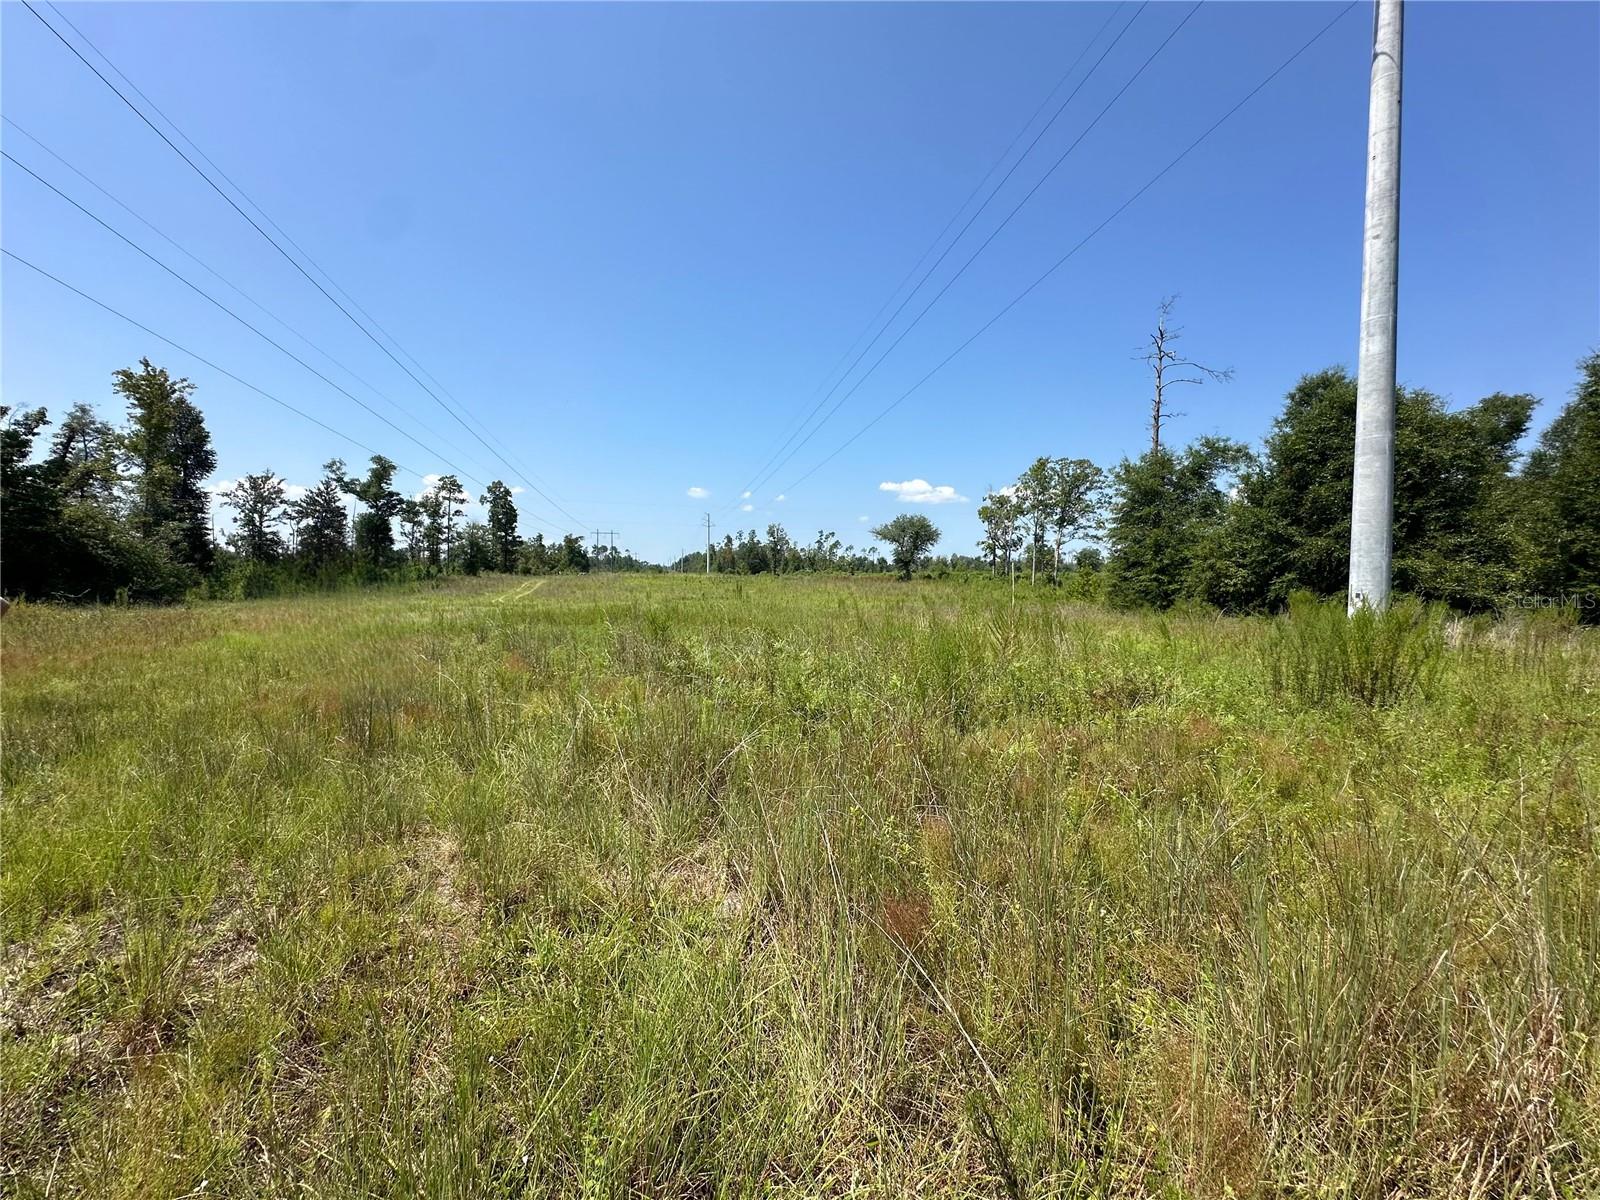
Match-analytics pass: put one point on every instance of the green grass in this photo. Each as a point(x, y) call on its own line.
point(682, 887)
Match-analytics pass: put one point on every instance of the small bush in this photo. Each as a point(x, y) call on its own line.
point(1318, 655)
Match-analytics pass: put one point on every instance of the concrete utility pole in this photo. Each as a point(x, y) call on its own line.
point(708, 543)
point(1372, 503)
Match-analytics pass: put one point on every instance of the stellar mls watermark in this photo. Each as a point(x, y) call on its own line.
point(1582, 601)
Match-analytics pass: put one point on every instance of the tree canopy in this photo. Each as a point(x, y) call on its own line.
point(94, 511)
point(910, 536)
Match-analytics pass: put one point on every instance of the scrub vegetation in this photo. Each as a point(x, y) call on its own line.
point(640, 885)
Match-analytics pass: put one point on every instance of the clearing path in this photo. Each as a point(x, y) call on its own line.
point(533, 586)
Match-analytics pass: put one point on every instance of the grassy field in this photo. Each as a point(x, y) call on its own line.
point(678, 887)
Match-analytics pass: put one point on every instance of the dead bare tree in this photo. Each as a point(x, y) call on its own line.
point(1171, 368)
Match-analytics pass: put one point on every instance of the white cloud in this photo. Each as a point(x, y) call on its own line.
point(291, 491)
point(746, 507)
point(780, 498)
point(699, 493)
point(744, 495)
point(429, 482)
point(863, 520)
point(920, 491)
point(517, 491)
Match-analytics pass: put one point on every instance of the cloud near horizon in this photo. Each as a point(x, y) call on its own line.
point(920, 491)
point(697, 492)
point(431, 480)
point(291, 491)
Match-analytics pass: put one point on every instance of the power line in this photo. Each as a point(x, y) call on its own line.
point(938, 237)
point(257, 227)
point(973, 257)
point(6, 154)
point(178, 246)
point(993, 234)
point(265, 216)
point(1051, 270)
point(200, 358)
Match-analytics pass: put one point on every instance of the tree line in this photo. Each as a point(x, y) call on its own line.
point(776, 552)
point(98, 512)
point(1477, 526)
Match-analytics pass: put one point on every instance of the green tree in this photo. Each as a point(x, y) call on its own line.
point(63, 535)
point(29, 506)
point(414, 528)
point(169, 451)
point(443, 505)
point(1166, 507)
point(374, 528)
point(750, 554)
point(83, 458)
point(502, 526)
point(570, 555)
point(1560, 487)
point(910, 536)
point(1454, 497)
point(476, 549)
point(1001, 514)
point(780, 548)
point(533, 556)
point(1453, 503)
point(824, 552)
point(1071, 496)
point(1033, 510)
point(258, 501)
point(318, 517)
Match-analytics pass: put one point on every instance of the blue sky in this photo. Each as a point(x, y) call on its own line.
point(633, 240)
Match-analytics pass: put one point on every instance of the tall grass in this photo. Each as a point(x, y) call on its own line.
point(1318, 655)
point(663, 887)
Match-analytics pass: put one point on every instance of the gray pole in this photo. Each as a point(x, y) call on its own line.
point(708, 543)
point(1372, 503)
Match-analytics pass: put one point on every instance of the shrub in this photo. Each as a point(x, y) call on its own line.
point(1318, 655)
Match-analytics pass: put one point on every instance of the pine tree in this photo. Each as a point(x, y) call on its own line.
point(502, 522)
point(169, 450)
point(441, 505)
point(374, 529)
point(258, 501)
point(321, 530)
point(83, 457)
point(1165, 508)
